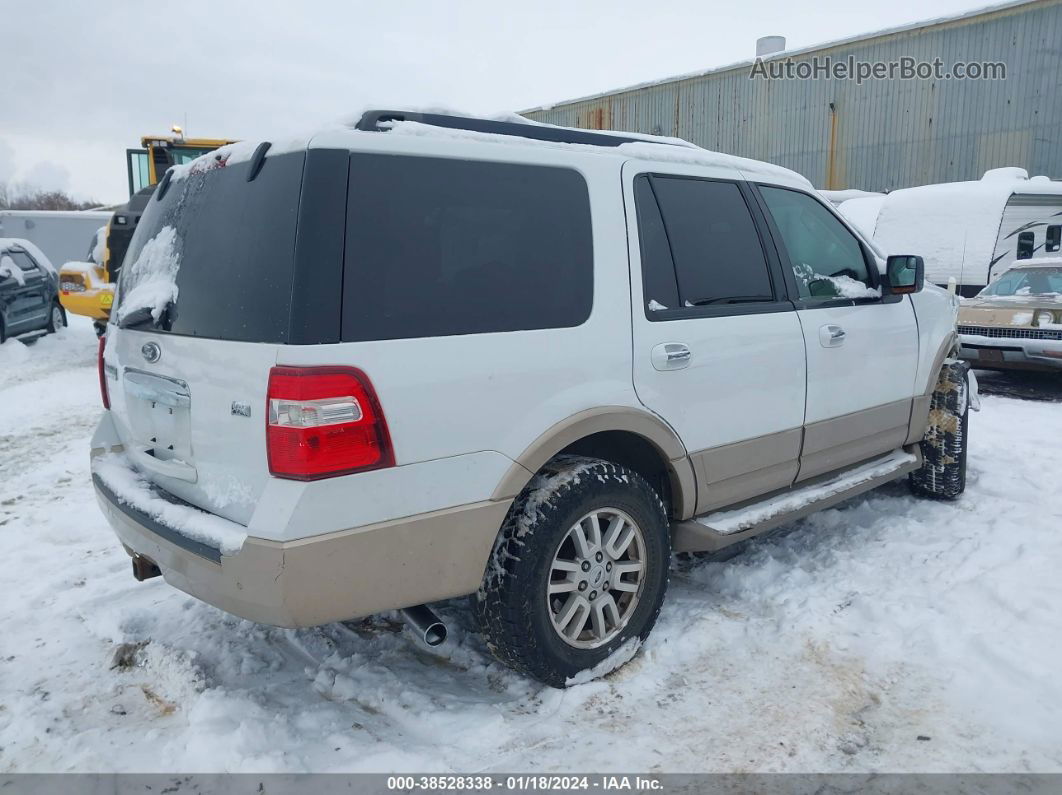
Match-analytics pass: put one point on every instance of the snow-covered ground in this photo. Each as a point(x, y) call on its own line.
point(888, 634)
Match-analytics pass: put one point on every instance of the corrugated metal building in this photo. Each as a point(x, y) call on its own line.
point(882, 134)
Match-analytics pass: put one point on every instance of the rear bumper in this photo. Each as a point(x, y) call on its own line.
point(326, 578)
point(993, 353)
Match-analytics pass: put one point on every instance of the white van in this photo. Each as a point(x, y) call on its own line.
point(967, 231)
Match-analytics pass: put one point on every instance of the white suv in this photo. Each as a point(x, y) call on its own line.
point(432, 356)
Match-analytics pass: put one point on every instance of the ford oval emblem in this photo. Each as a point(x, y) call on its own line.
point(151, 352)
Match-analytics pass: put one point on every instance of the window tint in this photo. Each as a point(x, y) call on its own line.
point(1025, 245)
point(23, 260)
point(709, 239)
point(234, 241)
point(439, 247)
point(658, 271)
point(1054, 238)
point(827, 259)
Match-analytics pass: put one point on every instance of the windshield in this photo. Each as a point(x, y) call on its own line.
point(1021, 282)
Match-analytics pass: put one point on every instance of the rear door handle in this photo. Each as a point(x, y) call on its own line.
point(831, 336)
point(671, 356)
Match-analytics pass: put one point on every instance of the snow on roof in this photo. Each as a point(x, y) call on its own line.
point(746, 64)
point(862, 212)
point(836, 197)
point(13, 242)
point(646, 147)
point(953, 225)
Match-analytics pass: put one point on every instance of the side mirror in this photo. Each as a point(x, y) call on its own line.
point(904, 274)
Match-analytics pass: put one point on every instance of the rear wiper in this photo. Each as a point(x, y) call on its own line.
point(730, 299)
point(143, 316)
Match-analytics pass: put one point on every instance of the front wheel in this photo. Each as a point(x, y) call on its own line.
point(57, 317)
point(578, 573)
point(943, 472)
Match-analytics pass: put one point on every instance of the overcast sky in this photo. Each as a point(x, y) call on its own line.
point(83, 81)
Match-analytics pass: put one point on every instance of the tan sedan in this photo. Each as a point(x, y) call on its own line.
point(1015, 323)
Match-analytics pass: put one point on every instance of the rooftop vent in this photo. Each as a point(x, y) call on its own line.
point(769, 45)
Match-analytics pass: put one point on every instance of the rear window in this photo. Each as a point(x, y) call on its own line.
point(440, 247)
point(231, 243)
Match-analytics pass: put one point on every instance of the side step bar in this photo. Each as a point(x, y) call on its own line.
point(721, 529)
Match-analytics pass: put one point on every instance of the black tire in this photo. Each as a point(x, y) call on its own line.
point(512, 608)
point(942, 475)
point(56, 317)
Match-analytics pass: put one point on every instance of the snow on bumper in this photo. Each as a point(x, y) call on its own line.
point(1010, 352)
point(306, 582)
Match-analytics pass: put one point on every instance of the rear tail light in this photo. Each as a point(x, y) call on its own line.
point(322, 422)
point(103, 375)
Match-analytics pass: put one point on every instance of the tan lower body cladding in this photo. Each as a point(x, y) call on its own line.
point(737, 472)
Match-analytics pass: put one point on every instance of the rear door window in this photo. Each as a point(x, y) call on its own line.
point(711, 240)
point(438, 247)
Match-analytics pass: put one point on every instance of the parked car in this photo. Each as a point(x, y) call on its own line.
point(29, 290)
point(434, 356)
point(1015, 323)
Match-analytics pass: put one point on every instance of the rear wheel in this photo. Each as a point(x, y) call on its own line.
point(57, 317)
point(578, 573)
point(943, 471)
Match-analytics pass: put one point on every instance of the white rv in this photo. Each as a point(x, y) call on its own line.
point(969, 231)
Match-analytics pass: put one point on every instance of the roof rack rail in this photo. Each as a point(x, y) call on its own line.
point(373, 120)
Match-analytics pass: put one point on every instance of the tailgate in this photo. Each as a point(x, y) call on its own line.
point(193, 420)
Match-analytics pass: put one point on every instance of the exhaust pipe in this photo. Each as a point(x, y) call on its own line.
point(426, 624)
point(144, 569)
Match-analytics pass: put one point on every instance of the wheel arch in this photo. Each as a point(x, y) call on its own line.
point(622, 435)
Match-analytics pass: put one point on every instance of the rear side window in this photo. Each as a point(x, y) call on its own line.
point(23, 260)
point(439, 247)
point(699, 244)
point(233, 243)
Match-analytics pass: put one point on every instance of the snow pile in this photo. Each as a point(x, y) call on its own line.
point(151, 281)
point(99, 245)
point(729, 522)
point(9, 270)
point(843, 286)
point(130, 487)
point(621, 656)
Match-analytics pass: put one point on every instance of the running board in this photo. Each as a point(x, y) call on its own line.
point(715, 531)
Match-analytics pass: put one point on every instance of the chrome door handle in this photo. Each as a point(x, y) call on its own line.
point(671, 356)
point(831, 336)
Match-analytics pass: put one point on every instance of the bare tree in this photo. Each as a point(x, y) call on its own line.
point(27, 197)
